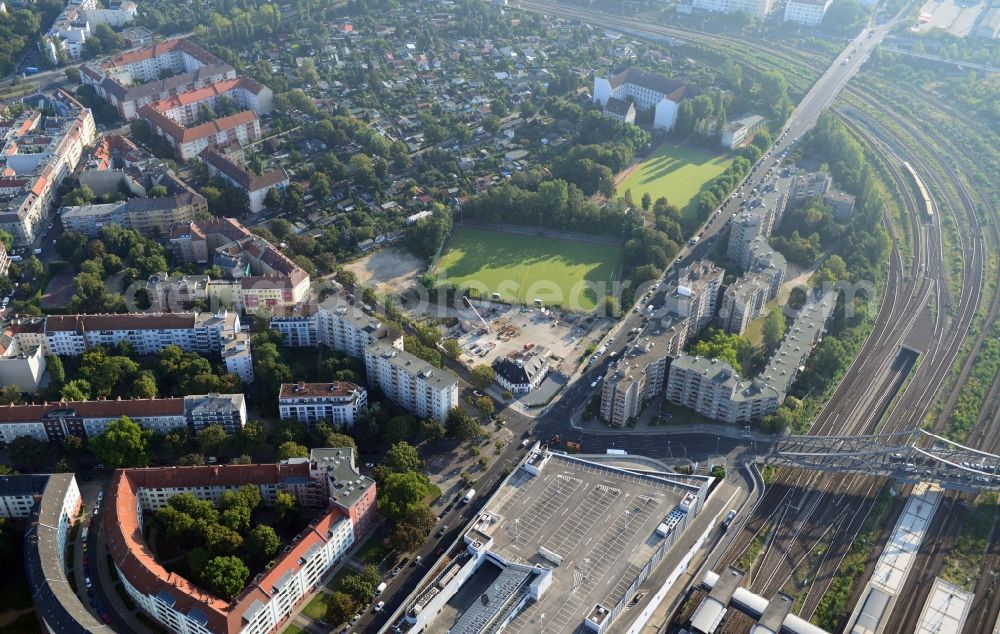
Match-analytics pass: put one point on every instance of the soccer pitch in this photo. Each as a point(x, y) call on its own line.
point(521, 268)
point(679, 173)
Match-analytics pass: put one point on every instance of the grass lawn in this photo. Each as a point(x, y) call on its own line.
point(677, 172)
point(293, 629)
point(574, 275)
point(316, 608)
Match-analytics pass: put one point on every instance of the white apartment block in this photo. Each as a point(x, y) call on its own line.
point(621, 395)
point(335, 402)
point(73, 26)
point(714, 389)
point(147, 333)
point(54, 422)
point(806, 12)
point(647, 91)
point(413, 383)
point(297, 325)
point(350, 330)
point(755, 8)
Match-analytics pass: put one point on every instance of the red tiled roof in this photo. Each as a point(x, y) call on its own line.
point(137, 562)
point(133, 408)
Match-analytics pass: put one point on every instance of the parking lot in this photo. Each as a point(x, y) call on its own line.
point(598, 523)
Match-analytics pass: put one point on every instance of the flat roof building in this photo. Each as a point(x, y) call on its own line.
point(334, 402)
point(567, 537)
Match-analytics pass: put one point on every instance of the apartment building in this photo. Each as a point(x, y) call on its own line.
point(147, 216)
point(146, 333)
point(258, 275)
point(647, 91)
point(634, 380)
point(621, 395)
point(334, 402)
point(297, 324)
point(56, 421)
point(150, 73)
point(348, 329)
point(806, 12)
point(755, 8)
point(741, 130)
point(73, 26)
point(714, 389)
point(37, 153)
point(177, 118)
point(411, 382)
point(745, 299)
point(255, 187)
point(809, 185)
point(327, 480)
point(48, 504)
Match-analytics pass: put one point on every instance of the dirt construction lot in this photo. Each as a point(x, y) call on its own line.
point(389, 271)
point(511, 330)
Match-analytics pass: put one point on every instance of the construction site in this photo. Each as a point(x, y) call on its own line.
point(488, 331)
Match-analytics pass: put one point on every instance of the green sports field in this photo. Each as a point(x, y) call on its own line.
point(679, 173)
point(522, 268)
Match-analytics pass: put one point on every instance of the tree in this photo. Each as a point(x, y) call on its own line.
point(401, 494)
point(485, 405)
point(358, 588)
point(175, 524)
point(647, 199)
point(10, 394)
point(210, 439)
point(28, 454)
point(774, 328)
point(122, 444)
point(237, 518)
point(452, 348)
point(144, 385)
point(461, 425)
point(339, 607)
point(402, 456)
point(272, 200)
point(192, 460)
point(226, 576)
point(262, 542)
point(481, 376)
point(409, 533)
point(219, 539)
point(284, 504)
point(432, 431)
point(291, 449)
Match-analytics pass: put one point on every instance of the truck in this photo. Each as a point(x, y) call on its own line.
point(382, 586)
point(471, 493)
point(37, 251)
point(30, 70)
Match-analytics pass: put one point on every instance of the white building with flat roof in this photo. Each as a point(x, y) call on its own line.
point(806, 12)
point(335, 402)
point(425, 390)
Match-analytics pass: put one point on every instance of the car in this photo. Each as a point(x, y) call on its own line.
point(93, 601)
point(84, 546)
point(85, 560)
point(394, 572)
point(354, 619)
point(416, 560)
point(477, 393)
point(525, 442)
point(439, 551)
point(87, 581)
point(369, 465)
point(106, 617)
point(379, 606)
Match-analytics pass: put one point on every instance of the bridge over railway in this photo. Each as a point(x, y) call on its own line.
point(909, 456)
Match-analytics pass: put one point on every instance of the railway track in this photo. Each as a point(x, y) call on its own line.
point(903, 293)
